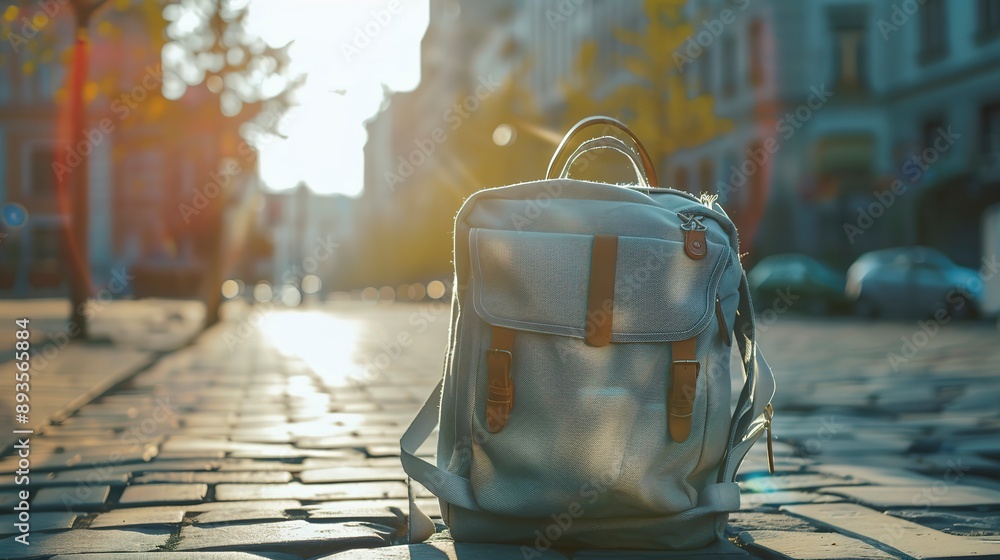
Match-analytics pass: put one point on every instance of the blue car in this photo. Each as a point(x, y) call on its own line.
point(913, 282)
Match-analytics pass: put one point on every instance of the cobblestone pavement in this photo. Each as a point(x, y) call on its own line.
point(277, 437)
point(125, 337)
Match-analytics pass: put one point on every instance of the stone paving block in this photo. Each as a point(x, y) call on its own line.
point(937, 465)
point(164, 464)
point(840, 448)
point(234, 465)
point(312, 492)
point(148, 494)
point(87, 477)
point(256, 515)
point(889, 533)
point(719, 550)
point(260, 435)
point(216, 477)
point(741, 521)
point(956, 522)
point(300, 537)
point(985, 446)
point(334, 512)
point(426, 450)
point(85, 540)
point(780, 481)
point(353, 474)
point(443, 551)
point(936, 495)
point(250, 504)
point(345, 441)
point(179, 454)
point(182, 556)
point(772, 499)
point(75, 498)
point(809, 546)
point(40, 522)
point(873, 475)
point(135, 517)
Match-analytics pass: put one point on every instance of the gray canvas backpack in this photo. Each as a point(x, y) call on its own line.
point(585, 401)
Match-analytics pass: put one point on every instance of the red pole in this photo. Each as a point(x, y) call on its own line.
point(72, 181)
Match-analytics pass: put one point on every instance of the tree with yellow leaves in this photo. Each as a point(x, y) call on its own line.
point(664, 111)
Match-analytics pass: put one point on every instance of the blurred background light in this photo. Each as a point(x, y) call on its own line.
point(435, 289)
point(262, 292)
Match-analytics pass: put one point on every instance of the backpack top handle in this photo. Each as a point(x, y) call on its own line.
point(609, 122)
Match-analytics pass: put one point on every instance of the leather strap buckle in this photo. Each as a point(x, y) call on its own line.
point(500, 388)
point(680, 397)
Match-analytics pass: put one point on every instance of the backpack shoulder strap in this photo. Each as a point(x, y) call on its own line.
point(446, 485)
point(753, 409)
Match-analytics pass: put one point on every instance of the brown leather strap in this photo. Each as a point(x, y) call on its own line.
point(500, 386)
point(695, 245)
point(601, 295)
point(681, 390)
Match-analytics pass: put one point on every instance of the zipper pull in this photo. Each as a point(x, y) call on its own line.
point(768, 414)
point(695, 246)
point(721, 318)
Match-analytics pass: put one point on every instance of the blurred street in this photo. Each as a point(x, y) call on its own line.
point(282, 442)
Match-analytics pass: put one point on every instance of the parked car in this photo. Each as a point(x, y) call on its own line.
point(812, 286)
point(912, 282)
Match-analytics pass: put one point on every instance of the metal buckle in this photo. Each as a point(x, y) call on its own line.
point(692, 222)
point(510, 357)
point(696, 363)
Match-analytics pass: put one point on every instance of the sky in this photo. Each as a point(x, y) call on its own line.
point(347, 50)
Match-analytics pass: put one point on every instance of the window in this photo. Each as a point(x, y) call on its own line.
point(933, 31)
point(930, 131)
point(756, 53)
point(42, 178)
point(705, 72)
point(989, 20)
point(849, 49)
point(990, 130)
point(730, 55)
point(45, 244)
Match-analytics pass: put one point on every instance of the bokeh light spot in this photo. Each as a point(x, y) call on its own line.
point(230, 289)
point(436, 289)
